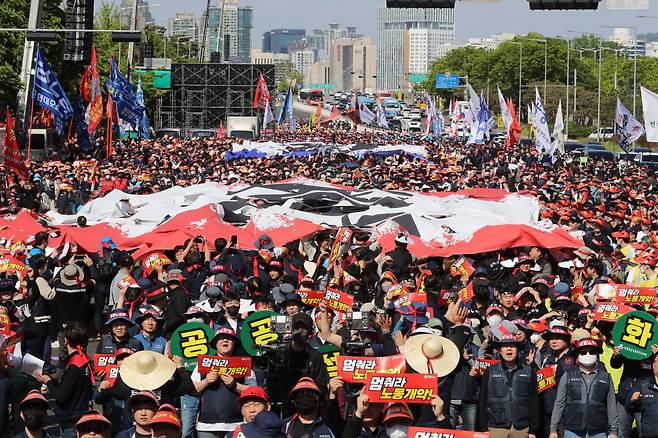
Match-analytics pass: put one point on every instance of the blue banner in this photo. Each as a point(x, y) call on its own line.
point(144, 122)
point(48, 93)
point(128, 108)
point(81, 126)
point(287, 112)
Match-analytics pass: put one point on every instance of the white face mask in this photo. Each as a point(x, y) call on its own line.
point(494, 320)
point(195, 320)
point(557, 323)
point(534, 338)
point(587, 359)
point(397, 431)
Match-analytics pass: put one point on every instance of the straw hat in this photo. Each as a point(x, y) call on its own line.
point(146, 370)
point(431, 354)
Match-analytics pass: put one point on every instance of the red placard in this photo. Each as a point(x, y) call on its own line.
point(237, 366)
point(413, 298)
point(610, 311)
point(112, 373)
point(481, 365)
point(338, 300)
point(466, 294)
point(11, 264)
point(102, 361)
point(354, 368)
point(420, 284)
point(428, 432)
point(126, 282)
point(409, 388)
point(446, 297)
point(625, 293)
point(462, 268)
point(546, 378)
point(153, 261)
point(311, 297)
point(342, 238)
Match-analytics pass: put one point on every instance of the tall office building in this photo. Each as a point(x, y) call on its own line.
point(184, 24)
point(142, 17)
point(353, 64)
point(232, 31)
point(400, 26)
point(278, 40)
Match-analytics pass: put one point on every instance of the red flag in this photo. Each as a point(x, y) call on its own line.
point(13, 158)
point(318, 115)
point(85, 85)
point(355, 111)
point(221, 132)
point(262, 94)
point(95, 109)
point(514, 130)
point(109, 110)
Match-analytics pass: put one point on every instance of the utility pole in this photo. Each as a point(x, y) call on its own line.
point(133, 27)
point(202, 49)
point(34, 22)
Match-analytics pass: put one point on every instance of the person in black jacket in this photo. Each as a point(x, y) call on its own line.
point(142, 406)
point(73, 391)
point(177, 303)
point(509, 401)
point(401, 256)
point(119, 337)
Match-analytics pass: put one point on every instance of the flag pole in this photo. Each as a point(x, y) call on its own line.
point(29, 135)
point(68, 137)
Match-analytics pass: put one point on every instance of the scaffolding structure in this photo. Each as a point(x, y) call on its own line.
point(202, 95)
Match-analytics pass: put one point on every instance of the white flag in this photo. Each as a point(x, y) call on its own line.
point(381, 117)
point(558, 132)
point(504, 111)
point(268, 117)
point(650, 108)
point(365, 115)
point(627, 128)
point(474, 101)
point(542, 136)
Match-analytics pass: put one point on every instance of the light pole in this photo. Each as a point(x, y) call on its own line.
point(545, 58)
point(567, 93)
point(616, 51)
point(598, 104)
point(520, 70)
point(634, 52)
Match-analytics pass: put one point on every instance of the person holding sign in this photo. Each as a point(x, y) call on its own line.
point(509, 402)
point(644, 398)
point(585, 402)
point(219, 412)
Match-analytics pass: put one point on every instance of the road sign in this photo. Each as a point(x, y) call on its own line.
point(328, 86)
point(447, 81)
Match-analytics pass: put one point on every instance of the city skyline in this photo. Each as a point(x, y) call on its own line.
point(471, 19)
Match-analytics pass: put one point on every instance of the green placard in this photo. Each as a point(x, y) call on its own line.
point(330, 358)
point(635, 332)
point(257, 330)
point(191, 340)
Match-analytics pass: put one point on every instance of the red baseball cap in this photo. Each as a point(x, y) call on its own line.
point(165, 416)
point(397, 410)
point(305, 383)
point(93, 416)
point(253, 392)
point(35, 397)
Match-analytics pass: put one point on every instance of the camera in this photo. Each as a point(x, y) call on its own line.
point(282, 324)
point(357, 321)
point(199, 239)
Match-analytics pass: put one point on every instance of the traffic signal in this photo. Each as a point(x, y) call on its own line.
point(77, 45)
point(420, 4)
point(563, 4)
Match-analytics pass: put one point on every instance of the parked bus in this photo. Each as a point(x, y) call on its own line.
point(311, 96)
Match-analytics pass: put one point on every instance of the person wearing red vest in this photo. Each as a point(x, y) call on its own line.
point(73, 391)
point(107, 185)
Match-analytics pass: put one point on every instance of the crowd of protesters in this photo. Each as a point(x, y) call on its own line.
point(529, 309)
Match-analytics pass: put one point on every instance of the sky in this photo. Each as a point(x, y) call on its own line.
point(471, 19)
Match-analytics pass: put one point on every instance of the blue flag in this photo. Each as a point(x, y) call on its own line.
point(128, 109)
point(144, 122)
point(81, 125)
point(48, 93)
point(287, 112)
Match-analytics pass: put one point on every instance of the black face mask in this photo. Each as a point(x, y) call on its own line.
point(34, 420)
point(300, 335)
point(306, 406)
point(233, 310)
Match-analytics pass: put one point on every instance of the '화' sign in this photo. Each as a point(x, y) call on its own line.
point(428, 432)
point(190, 341)
point(237, 367)
point(409, 388)
point(256, 331)
point(338, 300)
point(635, 333)
point(354, 368)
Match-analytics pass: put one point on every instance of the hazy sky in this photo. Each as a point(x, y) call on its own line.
point(471, 19)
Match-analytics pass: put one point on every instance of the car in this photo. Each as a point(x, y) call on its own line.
point(606, 134)
point(572, 145)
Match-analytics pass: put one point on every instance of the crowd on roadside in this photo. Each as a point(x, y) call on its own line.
point(485, 324)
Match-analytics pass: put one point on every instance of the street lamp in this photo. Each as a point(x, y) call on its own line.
point(598, 106)
point(520, 70)
point(567, 101)
point(545, 57)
